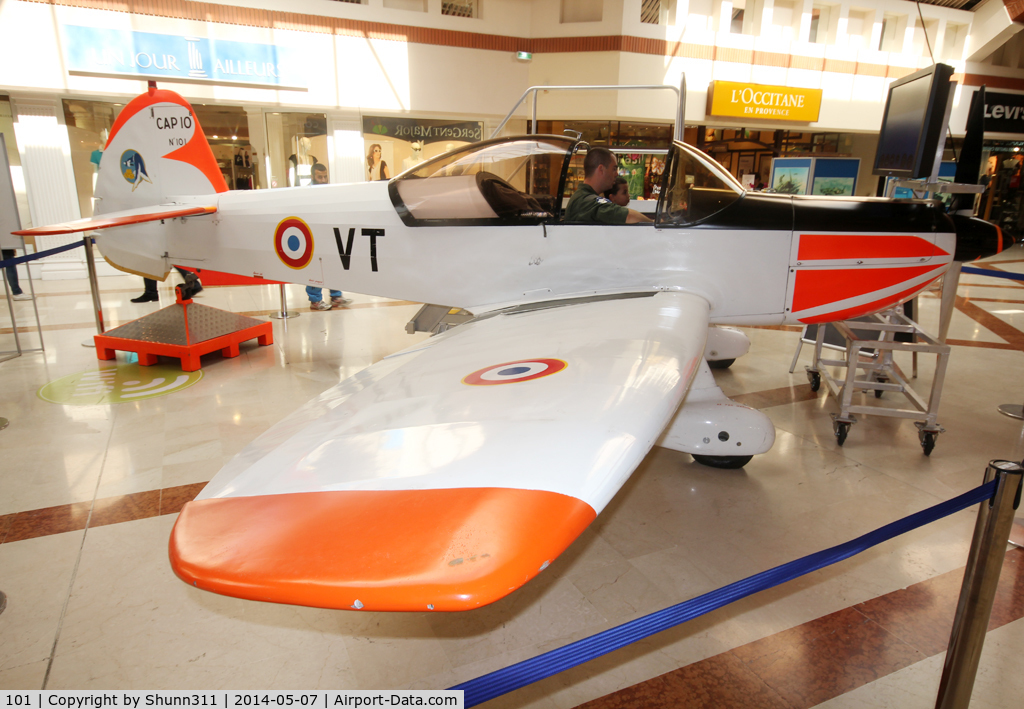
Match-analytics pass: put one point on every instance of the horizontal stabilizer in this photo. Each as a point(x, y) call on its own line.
point(124, 218)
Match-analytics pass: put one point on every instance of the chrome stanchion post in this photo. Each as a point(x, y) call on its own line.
point(94, 286)
point(981, 577)
point(284, 314)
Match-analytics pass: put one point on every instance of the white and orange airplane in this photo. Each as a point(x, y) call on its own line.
point(449, 474)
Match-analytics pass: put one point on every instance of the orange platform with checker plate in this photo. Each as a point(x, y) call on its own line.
point(185, 331)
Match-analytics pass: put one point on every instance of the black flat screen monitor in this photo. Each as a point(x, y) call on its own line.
point(914, 123)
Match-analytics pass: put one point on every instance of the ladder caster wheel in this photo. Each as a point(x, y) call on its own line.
point(725, 462)
point(842, 430)
point(879, 392)
point(928, 441)
point(815, 379)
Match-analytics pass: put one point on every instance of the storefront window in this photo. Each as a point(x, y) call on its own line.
point(89, 124)
point(295, 143)
point(642, 170)
point(227, 130)
point(394, 145)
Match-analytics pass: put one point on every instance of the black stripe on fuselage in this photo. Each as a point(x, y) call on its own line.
point(868, 215)
point(777, 212)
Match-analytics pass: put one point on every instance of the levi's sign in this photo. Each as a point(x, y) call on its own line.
point(731, 98)
point(1004, 113)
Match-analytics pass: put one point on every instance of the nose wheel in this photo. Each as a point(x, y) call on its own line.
point(725, 462)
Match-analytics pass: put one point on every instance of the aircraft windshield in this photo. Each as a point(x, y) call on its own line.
point(507, 180)
point(698, 187)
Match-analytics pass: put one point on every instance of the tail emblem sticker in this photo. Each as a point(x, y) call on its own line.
point(513, 372)
point(293, 242)
point(133, 168)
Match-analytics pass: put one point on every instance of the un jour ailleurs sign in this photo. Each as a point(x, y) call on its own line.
point(731, 98)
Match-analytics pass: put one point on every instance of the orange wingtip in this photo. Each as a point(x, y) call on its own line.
point(395, 550)
point(106, 222)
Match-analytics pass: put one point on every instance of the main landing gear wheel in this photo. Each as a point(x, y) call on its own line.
point(726, 462)
point(721, 363)
point(815, 379)
point(842, 430)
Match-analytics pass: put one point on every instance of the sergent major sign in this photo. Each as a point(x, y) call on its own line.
point(731, 98)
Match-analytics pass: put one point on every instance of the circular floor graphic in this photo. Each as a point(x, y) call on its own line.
point(118, 385)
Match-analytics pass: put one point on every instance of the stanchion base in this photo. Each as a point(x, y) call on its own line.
point(1014, 411)
point(285, 315)
point(88, 342)
point(3, 423)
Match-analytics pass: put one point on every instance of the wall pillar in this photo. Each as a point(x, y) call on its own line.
point(49, 179)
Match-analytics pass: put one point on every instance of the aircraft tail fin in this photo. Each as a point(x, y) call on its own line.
point(156, 151)
point(157, 166)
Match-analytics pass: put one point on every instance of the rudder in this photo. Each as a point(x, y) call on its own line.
point(156, 151)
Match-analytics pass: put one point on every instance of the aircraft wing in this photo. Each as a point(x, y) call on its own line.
point(123, 218)
point(446, 476)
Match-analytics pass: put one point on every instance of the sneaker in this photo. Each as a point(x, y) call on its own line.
point(21, 296)
point(338, 302)
point(146, 298)
point(319, 305)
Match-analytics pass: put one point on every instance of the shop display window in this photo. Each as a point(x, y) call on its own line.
point(697, 188)
point(642, 170)
point(89, 124)
point(295, 143)
point(227, 131)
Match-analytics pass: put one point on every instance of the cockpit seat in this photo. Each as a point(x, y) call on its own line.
point(506, 201)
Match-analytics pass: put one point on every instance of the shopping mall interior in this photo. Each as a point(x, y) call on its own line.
point(100, 458)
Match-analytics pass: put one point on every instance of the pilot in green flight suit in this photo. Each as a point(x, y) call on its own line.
point(588, 204)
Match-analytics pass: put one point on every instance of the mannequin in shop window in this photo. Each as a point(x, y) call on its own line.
point(417, 156)
point(301, 162)
point(376, 168)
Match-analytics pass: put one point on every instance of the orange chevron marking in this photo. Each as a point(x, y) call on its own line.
point(817, 287)
point(820, 247)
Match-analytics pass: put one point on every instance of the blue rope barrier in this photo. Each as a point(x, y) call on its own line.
point(993, 274)
point(507, 679)
point(41, 254)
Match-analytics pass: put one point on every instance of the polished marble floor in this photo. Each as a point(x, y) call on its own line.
point(90, 492)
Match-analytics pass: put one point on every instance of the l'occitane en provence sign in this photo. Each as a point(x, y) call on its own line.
point(731, 98)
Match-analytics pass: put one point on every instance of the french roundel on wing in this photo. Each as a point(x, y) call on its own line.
point(513, 372)
point(293, 242)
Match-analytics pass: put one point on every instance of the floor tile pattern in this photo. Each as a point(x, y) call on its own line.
point(91, 493)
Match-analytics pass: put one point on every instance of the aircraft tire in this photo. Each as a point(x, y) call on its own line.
point(724, 462)
point(721, 363)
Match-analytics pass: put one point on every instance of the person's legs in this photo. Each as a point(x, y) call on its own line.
point(12, 274)
point(316, 298)
point(338, 298)
point(149, 294)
